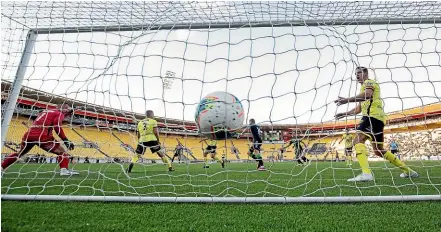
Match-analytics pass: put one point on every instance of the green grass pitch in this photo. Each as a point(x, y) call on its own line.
point(237, 179)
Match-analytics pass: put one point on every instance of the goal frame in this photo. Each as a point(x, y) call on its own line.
point(278, 200)
point(27, 52)
point(34, 32)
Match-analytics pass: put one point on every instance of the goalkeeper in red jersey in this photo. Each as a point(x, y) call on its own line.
point(40, 134)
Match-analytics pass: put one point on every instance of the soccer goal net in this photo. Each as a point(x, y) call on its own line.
point(286, 62)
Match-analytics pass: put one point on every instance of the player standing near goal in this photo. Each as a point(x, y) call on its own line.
point(394, 148)
point(40, 134)
point(178, 152)
point(301, 159)
point(255, 151)
point(371, 126)
point(148, 137)
point(348, 138)
point(211, 149)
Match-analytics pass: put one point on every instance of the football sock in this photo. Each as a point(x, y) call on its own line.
point(361, 152)
point(166, 161)
point(135, 159)
point(63, 160)
point(9, 160)
point(130, 167)
point(395, 161)
point(259, 160)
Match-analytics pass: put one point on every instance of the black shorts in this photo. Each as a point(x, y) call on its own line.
point(348, 150)
point(177, 153)
point(153, 145)
point(372, 127)
point(394, 151)
point(256, 146)
point(211, 149)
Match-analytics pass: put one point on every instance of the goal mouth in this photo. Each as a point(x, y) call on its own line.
point(289, 66)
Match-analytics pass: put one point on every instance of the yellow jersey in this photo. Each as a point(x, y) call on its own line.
point(374, 106)
point(146, 130)
point(212, 142)
point(348, 140)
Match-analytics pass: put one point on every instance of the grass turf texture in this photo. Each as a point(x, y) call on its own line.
point(288, 179)
point(74, 216)
point(237, 179)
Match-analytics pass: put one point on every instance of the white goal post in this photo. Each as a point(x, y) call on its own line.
point(125, 28)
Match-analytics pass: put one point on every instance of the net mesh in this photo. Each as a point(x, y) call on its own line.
point(286, 77)
point(93, 14)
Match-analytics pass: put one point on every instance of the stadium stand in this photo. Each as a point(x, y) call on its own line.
point(95, 124)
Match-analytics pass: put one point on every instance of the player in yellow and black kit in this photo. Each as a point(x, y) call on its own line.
point(371, 126)
point(148, 137)
point(347, 138)
point(211, 149)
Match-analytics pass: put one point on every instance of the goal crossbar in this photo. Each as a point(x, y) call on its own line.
point(195, 26)
point(28, 21)
point(340, 199)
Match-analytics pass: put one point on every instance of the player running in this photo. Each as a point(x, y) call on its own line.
point(148, 137)
point(348, 138)
point(211, 149)
point(301, 159)
point(40, 134)
point(255, 151)
point(371, 126)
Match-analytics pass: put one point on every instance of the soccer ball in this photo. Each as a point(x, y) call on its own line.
point(219, 114)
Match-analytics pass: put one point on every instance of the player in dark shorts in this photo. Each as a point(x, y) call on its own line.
point(211, 149)
point(298, 149)
point(371, 126)
point(255, 151)
point(148, 137)
point(178, 152)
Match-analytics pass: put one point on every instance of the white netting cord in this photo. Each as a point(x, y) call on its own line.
point(97, 14)
point(124, 73)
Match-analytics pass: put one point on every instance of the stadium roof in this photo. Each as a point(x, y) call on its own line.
point(30, 96)
point(87, 109)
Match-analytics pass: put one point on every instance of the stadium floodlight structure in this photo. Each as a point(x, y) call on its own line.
point(28, 26)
